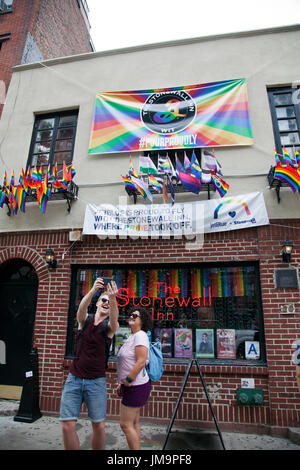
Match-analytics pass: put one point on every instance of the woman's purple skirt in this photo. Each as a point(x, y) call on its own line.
point(136, 395)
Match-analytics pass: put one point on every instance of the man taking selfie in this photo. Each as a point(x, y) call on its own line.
point(86, 380)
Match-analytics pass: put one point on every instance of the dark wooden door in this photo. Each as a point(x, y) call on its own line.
point(18, 296)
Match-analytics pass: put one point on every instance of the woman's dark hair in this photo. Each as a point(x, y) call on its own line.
point(146, 317)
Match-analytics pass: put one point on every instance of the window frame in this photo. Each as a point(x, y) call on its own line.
point(275, 120)
point(212, 361)
point(56, 116)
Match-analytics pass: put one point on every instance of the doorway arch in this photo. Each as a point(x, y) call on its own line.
point(18, 299)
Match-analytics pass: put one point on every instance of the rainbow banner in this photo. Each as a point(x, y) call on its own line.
point(208, 115)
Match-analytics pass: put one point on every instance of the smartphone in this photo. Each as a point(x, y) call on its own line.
point(106, 280)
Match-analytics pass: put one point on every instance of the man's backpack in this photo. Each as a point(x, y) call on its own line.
point(88, 320)
point(155, 366)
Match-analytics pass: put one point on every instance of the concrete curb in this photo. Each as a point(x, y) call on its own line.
point(294, 435)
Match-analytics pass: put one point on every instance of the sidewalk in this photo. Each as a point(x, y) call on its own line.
point(45, 434)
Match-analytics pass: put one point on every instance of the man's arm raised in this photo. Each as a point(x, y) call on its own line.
point(113, 323)
point(82, 311)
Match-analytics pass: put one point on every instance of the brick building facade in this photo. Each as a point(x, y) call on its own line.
point(261, 310)
point(37, 30)
point(276, 378)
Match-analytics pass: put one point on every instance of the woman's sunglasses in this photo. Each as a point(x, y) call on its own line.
point(134, 315)
point(104, 300)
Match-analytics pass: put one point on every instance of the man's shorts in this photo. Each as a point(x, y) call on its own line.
point(90, 391)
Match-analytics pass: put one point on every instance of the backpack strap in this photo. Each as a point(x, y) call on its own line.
point(107, 339)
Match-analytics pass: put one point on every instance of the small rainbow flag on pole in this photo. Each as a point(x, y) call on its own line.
point(155, 183)
point(220, 185)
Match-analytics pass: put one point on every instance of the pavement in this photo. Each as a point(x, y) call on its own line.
point(45, 434)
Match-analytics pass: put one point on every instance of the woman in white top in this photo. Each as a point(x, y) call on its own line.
point(134, 384)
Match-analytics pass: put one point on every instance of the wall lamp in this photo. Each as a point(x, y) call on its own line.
point(50, 259)
point(287, 249)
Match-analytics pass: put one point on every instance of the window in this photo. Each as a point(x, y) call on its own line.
point(285, 111)
point(53, 140)
point(213, 312)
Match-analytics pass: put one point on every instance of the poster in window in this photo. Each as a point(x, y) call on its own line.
point(121, 336)
point(164, 335)
point(205, 342)
point(226, 344)
point(183, 342)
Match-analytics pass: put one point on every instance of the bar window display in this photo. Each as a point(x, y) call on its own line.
point(212, 312)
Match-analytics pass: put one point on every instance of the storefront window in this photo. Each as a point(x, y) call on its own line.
point(207, 312)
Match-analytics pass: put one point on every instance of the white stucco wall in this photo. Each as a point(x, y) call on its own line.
point(267, 59)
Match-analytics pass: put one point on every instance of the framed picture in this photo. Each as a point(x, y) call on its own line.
point(183, 342)
point(164, 335)
point(205, 342)
point(121, 336)
point(226, 344)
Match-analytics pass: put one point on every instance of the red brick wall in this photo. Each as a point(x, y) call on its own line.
point(57, 27)
point(282, 405)
point(60, 29)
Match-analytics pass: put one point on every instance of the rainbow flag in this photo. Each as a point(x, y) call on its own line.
point(21, 198)
point(23, 181)
point(202, 115)
point(287, 158)
point(12, 179)
point(144, 186)
point(55, 181)
point(2, 197)
point(288, 175)
point(220, 185)
point(5, 180)
point(165, 166)
point(46, 190)
point(277, 159)
point(155, 183)
point(132, 171)
point(297, 155)
point(130, 185)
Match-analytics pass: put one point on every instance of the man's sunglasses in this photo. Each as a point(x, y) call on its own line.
point(134, 315)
